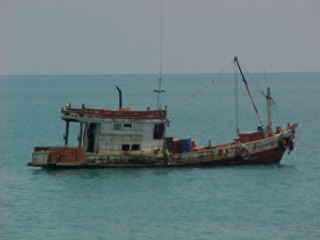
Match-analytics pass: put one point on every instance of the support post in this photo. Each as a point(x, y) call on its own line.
point(66, 135)
point(80, 135)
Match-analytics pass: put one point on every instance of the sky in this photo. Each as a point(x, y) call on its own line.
point(122, 36)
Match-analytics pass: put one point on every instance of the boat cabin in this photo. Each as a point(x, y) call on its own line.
point(117, 131)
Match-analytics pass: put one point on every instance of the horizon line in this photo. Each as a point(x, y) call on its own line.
point(170, 73)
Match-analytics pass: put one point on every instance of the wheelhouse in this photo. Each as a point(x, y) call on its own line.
point(123, 130)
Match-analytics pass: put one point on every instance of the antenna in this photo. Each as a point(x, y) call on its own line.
point(159, 90)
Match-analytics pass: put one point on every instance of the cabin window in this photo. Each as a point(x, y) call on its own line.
point(125, 147)
point(158, 132)
point(127, 125)
point(117, 126)
point(135, 147)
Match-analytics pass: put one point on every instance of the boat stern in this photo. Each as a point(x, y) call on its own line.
point(54, 156)
point(40, 157)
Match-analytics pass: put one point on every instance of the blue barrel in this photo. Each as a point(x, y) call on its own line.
point(185, 145)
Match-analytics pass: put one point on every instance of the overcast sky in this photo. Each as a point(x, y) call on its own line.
point(122, 36)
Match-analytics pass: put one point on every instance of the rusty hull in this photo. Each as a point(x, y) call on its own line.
point(264, 151)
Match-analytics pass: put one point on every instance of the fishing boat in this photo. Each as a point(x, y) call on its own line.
point(127, 138)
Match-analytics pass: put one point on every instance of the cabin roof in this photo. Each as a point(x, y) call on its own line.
point(124, 113)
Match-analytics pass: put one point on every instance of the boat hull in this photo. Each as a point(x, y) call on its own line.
point(268, 150)
point(272, 156)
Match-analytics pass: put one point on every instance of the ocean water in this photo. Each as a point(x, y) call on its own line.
point(242, 202)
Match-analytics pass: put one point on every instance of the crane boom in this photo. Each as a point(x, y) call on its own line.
point(236, 61)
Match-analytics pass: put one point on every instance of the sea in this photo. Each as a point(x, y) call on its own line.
point(264, 202)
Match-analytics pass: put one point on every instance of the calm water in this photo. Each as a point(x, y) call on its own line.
point(248, 202)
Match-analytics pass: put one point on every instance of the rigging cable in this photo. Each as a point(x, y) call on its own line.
point(236, 94)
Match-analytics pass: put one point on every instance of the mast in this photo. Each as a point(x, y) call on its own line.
point(159, 90)
point(269, 110)
point(248, 91)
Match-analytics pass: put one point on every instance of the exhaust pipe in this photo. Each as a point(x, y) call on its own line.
point(120, 97)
